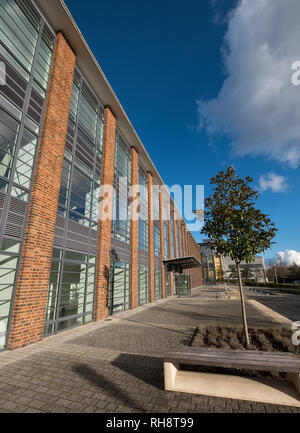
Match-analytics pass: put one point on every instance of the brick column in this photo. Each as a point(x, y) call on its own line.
point(183, 240)
point(134, 232)
point(174, 234)
point(104, 230)
point(30, 302)
point(150, 238)
point(179, 237)
point(183, 243)
point(186, 243)
point(170, 252)
point(162, 249)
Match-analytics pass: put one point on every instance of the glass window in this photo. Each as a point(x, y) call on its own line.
point(75, 98)
point(80, 184)
point(119, 287)
point(43, 61)
point(143, 285)
point(9, 129)
point(121, 204)
point(156, 240)
point(25, 159)
point(172, 237)
point(143, 204)
point(156, 202)
point(64, 186)
point(19, 30)
point(8, 266)
point(71, 290)
point(81, 194)
point(157, 284)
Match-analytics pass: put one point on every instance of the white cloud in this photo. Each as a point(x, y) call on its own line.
point(273, 181)
point(288, 256)
point(258, 107)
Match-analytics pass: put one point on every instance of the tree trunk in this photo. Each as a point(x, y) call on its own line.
point(243, 305)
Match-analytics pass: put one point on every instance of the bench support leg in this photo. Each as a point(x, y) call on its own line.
point(170, 370)
point(295, 379)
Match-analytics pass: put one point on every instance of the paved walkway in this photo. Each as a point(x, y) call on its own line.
point(116, 365)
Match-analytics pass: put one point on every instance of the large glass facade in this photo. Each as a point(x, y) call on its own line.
point(72, 282)
point(26, 47)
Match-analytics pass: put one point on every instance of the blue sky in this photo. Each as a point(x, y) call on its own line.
point(198, 111)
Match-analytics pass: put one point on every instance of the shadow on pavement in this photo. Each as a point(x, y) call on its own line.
point(105, 385)
point(149, 369)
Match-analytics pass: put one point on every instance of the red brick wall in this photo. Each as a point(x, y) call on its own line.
point(182, 235)
point(196, 273)
point(32, 286)
point(179, 238)
point(150, 238)
point(134, 234)
point(174, 234)
point(104, 231)
point(162, 249)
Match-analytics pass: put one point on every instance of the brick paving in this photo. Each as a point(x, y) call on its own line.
point(116, 365)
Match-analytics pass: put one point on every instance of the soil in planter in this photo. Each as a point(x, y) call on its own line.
point(278, 339)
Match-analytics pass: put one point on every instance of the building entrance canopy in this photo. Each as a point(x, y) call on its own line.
point(179, 264)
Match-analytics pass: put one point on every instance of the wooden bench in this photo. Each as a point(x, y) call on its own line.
point(240, 387)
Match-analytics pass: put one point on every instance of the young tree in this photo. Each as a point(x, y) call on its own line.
point(234, 226)
point(246, 273)
point(233, 275)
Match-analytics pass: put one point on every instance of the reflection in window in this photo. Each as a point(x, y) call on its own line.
point(80, 183)
point(143, 204)
point(156, 240)
point(118, 299)
point(71, 290)
point(19, 30)
point(143, 285)
point(8, 265)
point(9, 129)
point(25, 159)
point(121, 204)
point(81, 194)
point(157, 284)
point(172, 237)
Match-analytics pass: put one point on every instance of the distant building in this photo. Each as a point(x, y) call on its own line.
point(212, 263)
point(250, 271)
point(217, 267)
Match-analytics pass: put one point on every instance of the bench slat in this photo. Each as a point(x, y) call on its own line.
point(228, 358)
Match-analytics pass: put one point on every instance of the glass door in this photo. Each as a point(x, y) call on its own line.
point(183, 286)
